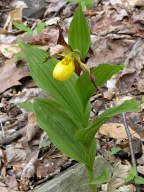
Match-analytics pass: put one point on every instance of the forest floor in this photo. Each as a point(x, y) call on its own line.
point(27, 156)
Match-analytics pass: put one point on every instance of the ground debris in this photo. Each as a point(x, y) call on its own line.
point(27, 156)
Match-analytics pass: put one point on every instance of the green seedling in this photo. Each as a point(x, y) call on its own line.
point(133, 176)
point(113, 151)
point(29, 31)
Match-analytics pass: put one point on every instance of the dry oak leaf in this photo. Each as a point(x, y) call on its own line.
point(10, 74)
point(116, 130)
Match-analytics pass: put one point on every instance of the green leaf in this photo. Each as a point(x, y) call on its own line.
point(79, 33)
point(40, 27)
point(23, 28)
point(139, 180)
point(85, 135)
point(102, 73)
point(19, 56)
point(103, 178)
point(60, 127)
point(132, 173)
point(113, 151)
point(33, 54)
point(88, 3)
point(26, 105)
point(84, 3)
point(91, 151)
point(64, 92)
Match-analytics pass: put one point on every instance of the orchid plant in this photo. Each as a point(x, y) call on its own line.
point(66, 115)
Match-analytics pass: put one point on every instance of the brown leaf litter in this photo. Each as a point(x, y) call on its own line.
point(11, 74)
point(116, 35)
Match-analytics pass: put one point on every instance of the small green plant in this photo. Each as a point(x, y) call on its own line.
point(113, 151)
point(22, 27)
point(132, 176)
point(84, 3)
point(66, 116)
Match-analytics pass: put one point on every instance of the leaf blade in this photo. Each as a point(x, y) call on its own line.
point(64, 92)
point(60, 128)
point(23, 28)
point(79, 33)
point(102, 73)
point(87, 134)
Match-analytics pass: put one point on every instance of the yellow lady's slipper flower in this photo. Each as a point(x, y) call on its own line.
point(64, 69)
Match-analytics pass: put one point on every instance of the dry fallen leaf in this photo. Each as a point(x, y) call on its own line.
point(116, 130)
point(15, 154)
point(120, 171)
point(134, 3)
point(15, 15)
point(48, 37)
point(9, 50)
point(11, 74)
point(117, 182)
point(12, 182)
point(4, 188)
point(31, 128)
point(28, 171)
point(48, 166)
point(127, 3)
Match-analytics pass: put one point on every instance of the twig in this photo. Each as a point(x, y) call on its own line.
point(133, 160)
point(129, 140)
point(3, 131)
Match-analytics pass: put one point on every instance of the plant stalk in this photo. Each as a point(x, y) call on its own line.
point(91, 177)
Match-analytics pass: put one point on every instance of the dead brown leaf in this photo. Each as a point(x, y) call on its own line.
point(48, 166)
point(120, 172)
point(31, 128)
point(4, 188)
point(12, 182)
point(28, 171)
point(14, 16)
point(107, 50)
point(116, 130)
point(15, 154)
point(9, 50)
point(46, 37)
point(11, 74)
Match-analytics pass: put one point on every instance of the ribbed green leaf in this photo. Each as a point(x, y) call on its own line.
point(79, 33)
point(102, 73)
point(26, 105)
point(131, 175)
point(87, 134)
point(103, 178)
point(60, 127)
point(40, 27)
point(139, 180)
point(23, 28)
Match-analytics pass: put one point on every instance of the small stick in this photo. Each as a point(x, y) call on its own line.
point(133, 160)
point(129, 140)
point(3, 131)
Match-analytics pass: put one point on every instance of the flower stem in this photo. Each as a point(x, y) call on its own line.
point(91, 177)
